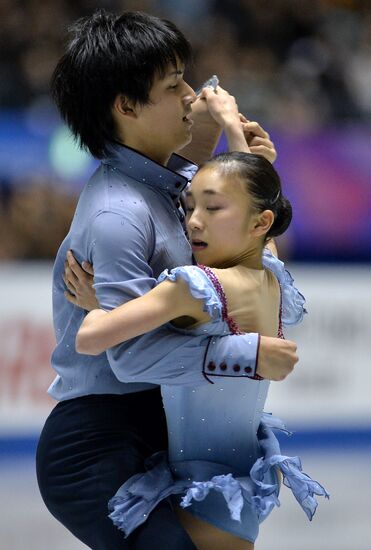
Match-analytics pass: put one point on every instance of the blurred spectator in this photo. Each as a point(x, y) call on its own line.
point(294, 65)
point(34, 220)
point(318, 51)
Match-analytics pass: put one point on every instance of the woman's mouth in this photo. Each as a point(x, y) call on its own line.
point(198, 245)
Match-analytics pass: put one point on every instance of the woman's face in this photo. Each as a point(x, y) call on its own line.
point(220, 218)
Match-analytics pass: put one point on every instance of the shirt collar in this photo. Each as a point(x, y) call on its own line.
point(145, 170)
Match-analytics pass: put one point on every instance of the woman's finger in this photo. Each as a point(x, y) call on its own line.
point(255, 140)
point(71, 298)
point(88, 268)
point(266, 152)
point(70, 276)
point(69, 286)
point(255, 129)
point(75, 266)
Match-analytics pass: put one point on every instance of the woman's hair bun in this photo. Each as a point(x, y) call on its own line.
point(282, 218)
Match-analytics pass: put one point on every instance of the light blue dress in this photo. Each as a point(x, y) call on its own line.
point(223, 457)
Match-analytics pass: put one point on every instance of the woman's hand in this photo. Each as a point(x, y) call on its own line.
point(222, 106)
point(79, 282)
point(258, 139)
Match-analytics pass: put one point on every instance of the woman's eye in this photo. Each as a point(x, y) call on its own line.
point(173, 87)
point(213, 208)
point(189, 209)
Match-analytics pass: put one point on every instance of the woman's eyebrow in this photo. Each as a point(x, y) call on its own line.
point(206, 192)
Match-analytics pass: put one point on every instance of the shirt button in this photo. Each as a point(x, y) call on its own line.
point(247, 370)
point(223, 366)
point(178, 184)
point(236, 368)
point(181, 217)
point(211, 366)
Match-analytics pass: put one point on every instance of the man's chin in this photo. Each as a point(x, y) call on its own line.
point(186, 142)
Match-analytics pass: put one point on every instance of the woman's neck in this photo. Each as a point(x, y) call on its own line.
point(250, 258)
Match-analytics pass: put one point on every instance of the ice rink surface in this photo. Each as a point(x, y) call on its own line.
point(342, 523)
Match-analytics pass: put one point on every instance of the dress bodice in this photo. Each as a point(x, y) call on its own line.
point(219, 422)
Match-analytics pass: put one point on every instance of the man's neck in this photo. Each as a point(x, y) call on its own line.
point(151, 153)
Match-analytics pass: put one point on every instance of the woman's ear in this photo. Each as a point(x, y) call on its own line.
point(122, 106)
point(263, 223)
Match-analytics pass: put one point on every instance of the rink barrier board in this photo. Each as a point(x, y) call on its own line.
point(327, 395)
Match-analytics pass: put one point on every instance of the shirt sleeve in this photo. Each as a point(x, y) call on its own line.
point(120, 249)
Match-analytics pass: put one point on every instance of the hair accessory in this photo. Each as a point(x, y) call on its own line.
point(276, 198)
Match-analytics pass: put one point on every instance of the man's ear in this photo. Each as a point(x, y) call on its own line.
point(263, 223)
point(122, 106)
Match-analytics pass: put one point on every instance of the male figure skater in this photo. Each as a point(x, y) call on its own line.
point(121, 90)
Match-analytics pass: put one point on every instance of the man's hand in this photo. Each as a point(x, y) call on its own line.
point(79, 283)
point(258, 139)
point(277, 358)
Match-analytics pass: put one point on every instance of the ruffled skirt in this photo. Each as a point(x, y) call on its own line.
point(230, 501)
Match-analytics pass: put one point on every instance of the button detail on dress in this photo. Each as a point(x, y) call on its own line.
point(248, 370)
point(211, 366)
point(223, 366)
point(236, 368)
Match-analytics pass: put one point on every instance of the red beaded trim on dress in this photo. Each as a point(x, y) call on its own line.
point(234, 328)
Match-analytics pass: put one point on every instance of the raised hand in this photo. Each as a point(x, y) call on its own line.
point(258, 139)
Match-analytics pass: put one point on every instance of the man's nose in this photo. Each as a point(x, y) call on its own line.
point(190, 95)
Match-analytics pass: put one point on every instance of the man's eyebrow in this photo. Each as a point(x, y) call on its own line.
point(176, 72)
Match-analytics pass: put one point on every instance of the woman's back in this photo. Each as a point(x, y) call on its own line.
point(253, 298)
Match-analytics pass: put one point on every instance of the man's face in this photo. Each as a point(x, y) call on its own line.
point(162, 126)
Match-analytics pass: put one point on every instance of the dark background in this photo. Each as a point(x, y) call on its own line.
point(302, 68)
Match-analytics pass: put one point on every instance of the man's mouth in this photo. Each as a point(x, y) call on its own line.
point(187, 120)
point(198, 245)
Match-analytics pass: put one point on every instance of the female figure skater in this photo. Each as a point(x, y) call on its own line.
point(223, 459)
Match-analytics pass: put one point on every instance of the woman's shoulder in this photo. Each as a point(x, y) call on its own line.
point(199, 284)
point(293, 301)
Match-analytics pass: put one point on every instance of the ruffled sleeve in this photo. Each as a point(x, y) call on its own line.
point(199, 285)
point(293, 301)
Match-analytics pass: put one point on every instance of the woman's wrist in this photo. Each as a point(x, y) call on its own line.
point(236, 137)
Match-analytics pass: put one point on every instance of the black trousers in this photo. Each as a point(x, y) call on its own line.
point(88, 447)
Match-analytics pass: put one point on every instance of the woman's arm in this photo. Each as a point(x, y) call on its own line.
point(101, 330)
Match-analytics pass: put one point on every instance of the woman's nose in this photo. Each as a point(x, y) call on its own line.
point(194, 222)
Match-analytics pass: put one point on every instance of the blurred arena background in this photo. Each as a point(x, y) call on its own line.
point(302, 68)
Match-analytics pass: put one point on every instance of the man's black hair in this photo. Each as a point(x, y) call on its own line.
point(110, 55)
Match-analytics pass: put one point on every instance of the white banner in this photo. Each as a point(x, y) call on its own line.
point(329, 387)
point(331, 384)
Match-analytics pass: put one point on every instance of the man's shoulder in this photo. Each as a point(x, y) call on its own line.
point(111, 191)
